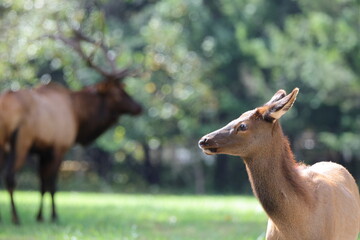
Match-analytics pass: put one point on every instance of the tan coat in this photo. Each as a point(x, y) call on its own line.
point(32, 114)
point(319, 202)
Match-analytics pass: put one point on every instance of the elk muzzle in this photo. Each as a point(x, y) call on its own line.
point(212, 142)
point(207, 145)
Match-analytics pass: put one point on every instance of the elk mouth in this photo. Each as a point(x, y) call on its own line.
point(208, 146)
point(210, 151)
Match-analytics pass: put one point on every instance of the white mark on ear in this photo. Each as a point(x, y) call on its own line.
point(276, 115)
point(277, 96)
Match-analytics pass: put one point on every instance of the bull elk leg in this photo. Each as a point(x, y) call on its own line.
point(54, 216)
point(58, 156)
point(10, 185)
point(2, 158)
point(48, 169)
point(19, 147)
point(48, 184)
point(39, 216)
point(44, 162)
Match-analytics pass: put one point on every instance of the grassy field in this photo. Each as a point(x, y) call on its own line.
point(129, 217)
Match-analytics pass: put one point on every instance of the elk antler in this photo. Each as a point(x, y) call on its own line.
point(75, 43)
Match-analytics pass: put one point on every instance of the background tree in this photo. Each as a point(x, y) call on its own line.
point(202, 63)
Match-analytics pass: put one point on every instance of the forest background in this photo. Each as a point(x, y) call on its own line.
point(200, 64)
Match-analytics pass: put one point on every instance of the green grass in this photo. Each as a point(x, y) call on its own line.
point(97, 216)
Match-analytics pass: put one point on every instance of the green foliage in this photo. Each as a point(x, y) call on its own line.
point(200, 64)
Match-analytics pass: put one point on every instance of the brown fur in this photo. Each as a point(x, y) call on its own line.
point(303, 202)
point(49, 119)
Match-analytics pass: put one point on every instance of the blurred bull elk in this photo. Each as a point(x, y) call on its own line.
point(49, 119)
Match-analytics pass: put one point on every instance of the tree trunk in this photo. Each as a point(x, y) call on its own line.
point(221, 173)
point(151, 168)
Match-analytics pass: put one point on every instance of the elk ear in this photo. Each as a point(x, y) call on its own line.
point(273, 110)
point(277, 96)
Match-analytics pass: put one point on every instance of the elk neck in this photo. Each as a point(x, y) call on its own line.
point(94, 115)
point(275, 178)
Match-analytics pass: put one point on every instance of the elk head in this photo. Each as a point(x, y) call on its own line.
point(116, 96)
point(250, 132)
point(111, 88)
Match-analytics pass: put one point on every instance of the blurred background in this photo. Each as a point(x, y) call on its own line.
point(201, 64)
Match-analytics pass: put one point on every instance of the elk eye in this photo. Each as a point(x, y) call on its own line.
point(242, 127)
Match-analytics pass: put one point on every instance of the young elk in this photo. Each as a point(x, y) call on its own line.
point(48, 120)
point(319, 202)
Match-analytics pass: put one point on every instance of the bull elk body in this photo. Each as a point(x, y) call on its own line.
point(303, 202)
point(48, 120)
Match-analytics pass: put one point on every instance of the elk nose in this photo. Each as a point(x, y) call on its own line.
point(203, 142)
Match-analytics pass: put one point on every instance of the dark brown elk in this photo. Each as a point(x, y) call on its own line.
point(303, 202)
point(49, 119)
